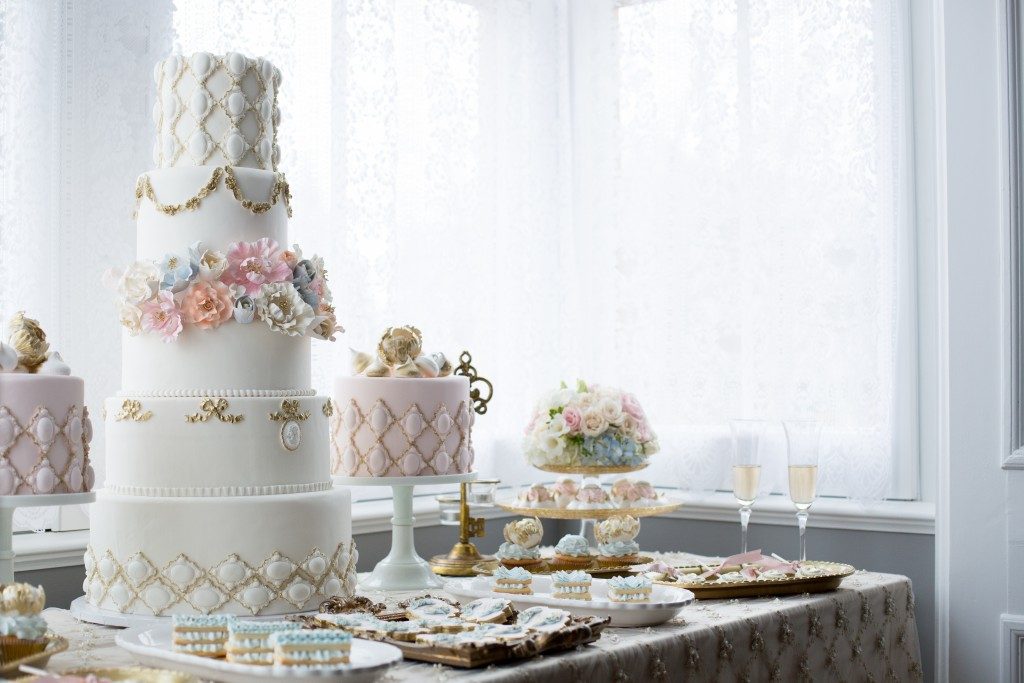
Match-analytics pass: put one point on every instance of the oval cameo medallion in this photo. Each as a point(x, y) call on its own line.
point(291, 435)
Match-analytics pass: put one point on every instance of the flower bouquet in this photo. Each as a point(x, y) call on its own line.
point(589, 426)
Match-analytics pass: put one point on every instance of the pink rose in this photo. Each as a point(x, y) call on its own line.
point(207, 304)
point(632, 407)
point(573, 418)
point(161, 315)
point(254, 264)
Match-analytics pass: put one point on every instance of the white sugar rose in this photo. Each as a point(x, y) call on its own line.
point(212, 264)
point(131, 317)
point(280, 306)
point(593, 423)
point(587, 400)
point(138, 282)
point(611, 410)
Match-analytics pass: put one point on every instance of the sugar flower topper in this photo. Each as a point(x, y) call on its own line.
point(27, 350)
point(203, 288)
point(400, 354)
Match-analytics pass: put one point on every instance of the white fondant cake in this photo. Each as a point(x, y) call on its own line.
point(218, 497)
point(395, 427)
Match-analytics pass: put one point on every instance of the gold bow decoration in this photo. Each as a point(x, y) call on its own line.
point(131, 410)
point(214, 408)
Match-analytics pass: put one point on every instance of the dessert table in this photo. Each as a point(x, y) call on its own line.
point(866, 630)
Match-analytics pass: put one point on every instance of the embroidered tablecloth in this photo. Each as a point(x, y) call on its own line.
point(865, 631)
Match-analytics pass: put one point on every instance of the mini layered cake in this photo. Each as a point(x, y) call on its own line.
point(45, 428)
point(516, 581)
point(629, 589)
point(574, 585)
point(402, 413)
point(200, 635)
point(249, 641)
point(311, 648)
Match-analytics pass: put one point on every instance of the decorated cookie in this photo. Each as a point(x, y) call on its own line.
point(487, 610)
point(546, 619)
point(430, 608)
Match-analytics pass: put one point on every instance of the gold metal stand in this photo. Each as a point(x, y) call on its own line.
point(464, 555)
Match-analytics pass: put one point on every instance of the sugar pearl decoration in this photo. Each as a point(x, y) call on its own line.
point(235, 103)
point(8, 480)
point(202, 64)
point(236, 63)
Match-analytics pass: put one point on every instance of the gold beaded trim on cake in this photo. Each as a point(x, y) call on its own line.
point(279, 192)
point(214, 408)
point(131, 410)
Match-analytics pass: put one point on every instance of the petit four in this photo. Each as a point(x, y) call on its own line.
point(200, 635)
point(545, 619)
point(646, 494)
point(615, 544)
point(573, 551)
point(515, 580)
point(537, 496)
point(488, 611)
point(311, 648)
point(629, 589)
point(22, 628)
point(522, 538)
point(591, 497)
point(249, 641)
point(564, 491)
point(572, 585)
point(624, 493)
point(429, 608)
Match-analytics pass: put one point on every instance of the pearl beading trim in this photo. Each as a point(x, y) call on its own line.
point(136, 585)
point(216, 491)
point(218, 393)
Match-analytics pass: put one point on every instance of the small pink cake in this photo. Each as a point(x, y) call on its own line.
point(44, 425)
point(591, 497)
point(403, 414)
point(564, 491)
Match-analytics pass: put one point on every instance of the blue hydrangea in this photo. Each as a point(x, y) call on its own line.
point(611, 449)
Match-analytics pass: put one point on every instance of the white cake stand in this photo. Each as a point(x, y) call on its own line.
point(403, 569)
point(8, 504)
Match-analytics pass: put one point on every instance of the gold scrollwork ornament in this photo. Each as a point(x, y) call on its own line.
point(476, 397)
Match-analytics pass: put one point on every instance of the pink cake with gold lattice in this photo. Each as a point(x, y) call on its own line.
point(44, 425)
point(402, 414)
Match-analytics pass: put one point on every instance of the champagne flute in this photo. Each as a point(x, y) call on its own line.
point(747, 442)
point(803, 438)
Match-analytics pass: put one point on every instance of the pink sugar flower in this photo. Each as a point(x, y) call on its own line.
point(207, 304)
point(573, 418)
point(161, 315)
point(254, 264)
point(632, 407)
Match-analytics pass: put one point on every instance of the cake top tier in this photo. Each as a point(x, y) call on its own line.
point(214, 110)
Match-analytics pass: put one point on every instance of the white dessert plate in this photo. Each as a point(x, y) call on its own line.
point(152, 646)
point(666, 601)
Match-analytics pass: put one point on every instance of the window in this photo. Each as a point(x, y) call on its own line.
point(707, 203)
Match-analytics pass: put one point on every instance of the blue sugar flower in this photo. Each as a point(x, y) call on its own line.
point(176, 271)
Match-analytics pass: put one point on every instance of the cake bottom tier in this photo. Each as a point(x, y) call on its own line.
point(244, 555)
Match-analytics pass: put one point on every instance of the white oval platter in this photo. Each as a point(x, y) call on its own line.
point(152, 646)
point(665, 603)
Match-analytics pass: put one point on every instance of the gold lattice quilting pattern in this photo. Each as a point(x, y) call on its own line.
point(353, 420)
point(184, 120)
point(130, 584)
point(12, 431)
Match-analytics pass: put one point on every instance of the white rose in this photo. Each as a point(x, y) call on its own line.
point(587, 400)
point(139, 282)
point(131, 317)
point(593, 423)
point(212, 265)
point(557, 399)
point(629, 426)
point(557, 425)
point(652, 447)
point(611, 410)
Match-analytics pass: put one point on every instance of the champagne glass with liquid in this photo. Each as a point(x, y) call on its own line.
point(747, 443)
point(803, 439)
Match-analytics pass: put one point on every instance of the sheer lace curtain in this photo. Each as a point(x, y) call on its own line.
point(703, 202)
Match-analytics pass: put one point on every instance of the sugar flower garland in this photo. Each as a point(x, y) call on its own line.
point(589, 426)
point(205, 288)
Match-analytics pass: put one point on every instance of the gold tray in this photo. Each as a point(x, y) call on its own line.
point(593, 470)
point(604, 513)
point(56, 645)
point(140, 674)
point(754, 589)
point(487, 568)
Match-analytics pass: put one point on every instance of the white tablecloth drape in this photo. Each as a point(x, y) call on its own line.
point(865, 631)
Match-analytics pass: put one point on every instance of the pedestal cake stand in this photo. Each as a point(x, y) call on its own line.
point(8, 504)
point(403, 569)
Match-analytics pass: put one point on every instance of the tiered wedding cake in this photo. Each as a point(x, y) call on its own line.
point(218, 493)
